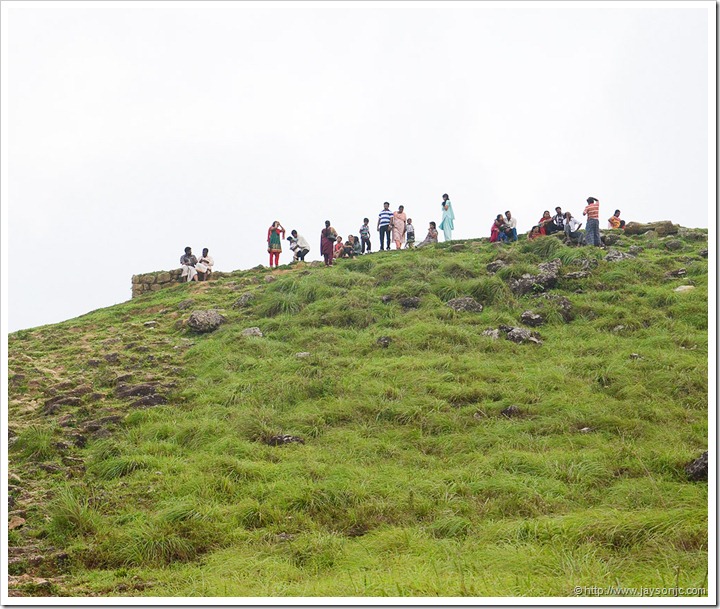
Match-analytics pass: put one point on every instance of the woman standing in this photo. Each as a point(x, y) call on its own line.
point(327, 242)
point(398, 226)
point(274, 242)
point(448, 217)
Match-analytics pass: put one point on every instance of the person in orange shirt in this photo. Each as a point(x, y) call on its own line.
point(614, 221)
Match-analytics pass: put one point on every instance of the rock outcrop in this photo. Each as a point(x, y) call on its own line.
point(465, 303)
point(545, 280)
point(205, 321)
point(660, 228)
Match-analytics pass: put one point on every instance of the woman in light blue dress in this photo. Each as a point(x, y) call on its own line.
point(447, 218)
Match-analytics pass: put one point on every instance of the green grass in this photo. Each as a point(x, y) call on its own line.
point(410, 481)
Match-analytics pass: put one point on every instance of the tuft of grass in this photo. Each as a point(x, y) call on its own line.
point(118, 467)
point(148, 544)
point(35, 443)
point(545, 247)
point(450, 527)
point(71, 513)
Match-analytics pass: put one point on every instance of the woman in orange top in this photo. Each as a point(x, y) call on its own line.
point(614, 221)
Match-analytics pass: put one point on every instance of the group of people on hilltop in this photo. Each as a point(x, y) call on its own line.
point(395, 226)
point(194, 269)
point(392, 226)
point(504, 229)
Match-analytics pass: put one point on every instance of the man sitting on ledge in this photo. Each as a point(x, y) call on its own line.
point(188, 262)
point(204, 265)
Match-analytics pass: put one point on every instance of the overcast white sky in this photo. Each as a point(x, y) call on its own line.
point(134, 129)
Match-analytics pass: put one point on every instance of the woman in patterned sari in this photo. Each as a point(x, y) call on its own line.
point(398, 226)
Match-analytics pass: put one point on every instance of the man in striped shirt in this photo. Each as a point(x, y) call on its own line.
point(383, 225)
point(592, 226)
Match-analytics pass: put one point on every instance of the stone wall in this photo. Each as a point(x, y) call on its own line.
point(151, 282)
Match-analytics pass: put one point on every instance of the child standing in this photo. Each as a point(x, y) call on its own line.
point(410, 233)
point(365, 236)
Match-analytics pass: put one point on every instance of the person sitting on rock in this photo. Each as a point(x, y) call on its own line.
point(204, 265)
point(357, 246)
point(572, 230)
point(545, 225)
point(614, 221)
point(559, 220)
point(432, 236)
point(535, 232)
point(188, 262)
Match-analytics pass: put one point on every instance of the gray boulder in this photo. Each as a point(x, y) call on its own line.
point(674, 245)
point(692, 235)
point(577, 275)
point(615, 255)
point(409, 302)
point(465, 303)
point(659, 228)
point(511, 411)
point(634, 250)
point(279, 440)
point(520, 335)
point(532, 319)
point(254, 331)
point(384, 341)
point(545, 280)
point(244, 300)
point(495, 266)
point(698, 470)
point(205, 321)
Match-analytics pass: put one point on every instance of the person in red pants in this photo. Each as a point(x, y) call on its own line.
point(274, 242)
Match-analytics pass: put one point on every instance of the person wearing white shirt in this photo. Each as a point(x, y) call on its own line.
point(299, 246)
point(511, 223)
point(572, 229)
point(204, 265)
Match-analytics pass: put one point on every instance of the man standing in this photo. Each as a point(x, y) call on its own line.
point(383, 225)
point(511, 223)
point(592, 226)
point(188, 262)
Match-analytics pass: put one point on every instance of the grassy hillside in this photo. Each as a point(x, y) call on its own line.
point(142, 457)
